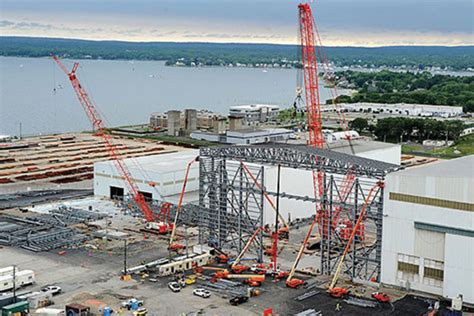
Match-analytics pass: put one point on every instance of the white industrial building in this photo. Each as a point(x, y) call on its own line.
point(247, 136)
point(157, 176)
point(400, 109)
point(428, 229)
point(161, 176)
point(254, 114)
point(300, 182)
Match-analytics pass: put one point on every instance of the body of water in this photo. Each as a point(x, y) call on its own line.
point(35, 93)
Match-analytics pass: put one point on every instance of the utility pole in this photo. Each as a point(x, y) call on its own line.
point(125, 257)
point(14, 283)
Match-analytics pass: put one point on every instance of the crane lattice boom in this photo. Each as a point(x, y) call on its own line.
point(310, 74)
point(98, 125)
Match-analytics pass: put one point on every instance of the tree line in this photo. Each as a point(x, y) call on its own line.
point(414, 88)
point(456, 58)
point(401, 129)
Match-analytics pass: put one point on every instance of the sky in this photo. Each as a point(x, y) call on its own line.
point(340, 22)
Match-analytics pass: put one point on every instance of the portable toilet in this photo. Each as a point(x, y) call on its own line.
point(134, 305)
point(107, 311)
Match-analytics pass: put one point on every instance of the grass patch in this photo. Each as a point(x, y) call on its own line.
point(408, 149)
point(464, 146)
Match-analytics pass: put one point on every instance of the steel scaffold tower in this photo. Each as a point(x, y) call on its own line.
point(226, 217)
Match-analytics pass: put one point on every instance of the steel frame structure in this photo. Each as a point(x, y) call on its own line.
point(231, 204)
point(227, 220)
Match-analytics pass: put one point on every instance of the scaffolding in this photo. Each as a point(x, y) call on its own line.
point(231, 204)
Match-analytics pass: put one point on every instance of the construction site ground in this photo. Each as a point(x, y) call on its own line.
point(94, 276)
point(91, 274)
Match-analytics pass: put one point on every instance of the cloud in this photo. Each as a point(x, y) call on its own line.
point(217, 30)
point(5, 23)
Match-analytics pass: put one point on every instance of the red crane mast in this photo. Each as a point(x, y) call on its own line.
point(313, 109)
point(98, 125)
point(310, 74)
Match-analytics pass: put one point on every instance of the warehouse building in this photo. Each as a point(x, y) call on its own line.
point(401, 109)
point(428, 229)
point(158, 176)
point(161, 176)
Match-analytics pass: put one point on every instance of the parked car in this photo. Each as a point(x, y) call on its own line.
point(238, 300)
point(129, 303)
point(53, 289)
point(202, 293)
point(174, 286)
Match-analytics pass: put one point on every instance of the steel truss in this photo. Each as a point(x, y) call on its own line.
point(231, 205)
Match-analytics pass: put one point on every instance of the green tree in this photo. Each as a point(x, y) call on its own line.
point(359, 124)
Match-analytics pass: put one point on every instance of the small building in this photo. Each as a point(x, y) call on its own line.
point(428, 229)
point(158, 120)
point(333, 137)
point(246, 136)
point(258, 136)
point(184, 263)
point(157, 176)
point(5, 138)
point(254, 114)
point(17, 309)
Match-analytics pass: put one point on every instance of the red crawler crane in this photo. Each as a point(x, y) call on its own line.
point(98, 124)
point(313, 109)
point(309, 37)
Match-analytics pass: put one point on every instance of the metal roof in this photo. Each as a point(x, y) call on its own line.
point(303, 157)
point(455, 168)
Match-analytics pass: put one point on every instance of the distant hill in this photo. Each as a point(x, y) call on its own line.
point(461, 57)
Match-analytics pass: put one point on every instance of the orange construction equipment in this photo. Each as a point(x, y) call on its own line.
point(381, 297)
point(247, 246)
point(338, 292)
point(100, 129)
point(225, 274)
point(221, 256)
point(295, 283)
point(332, 289)
point(252, 283)
point(172, 245)
point(239, 268)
